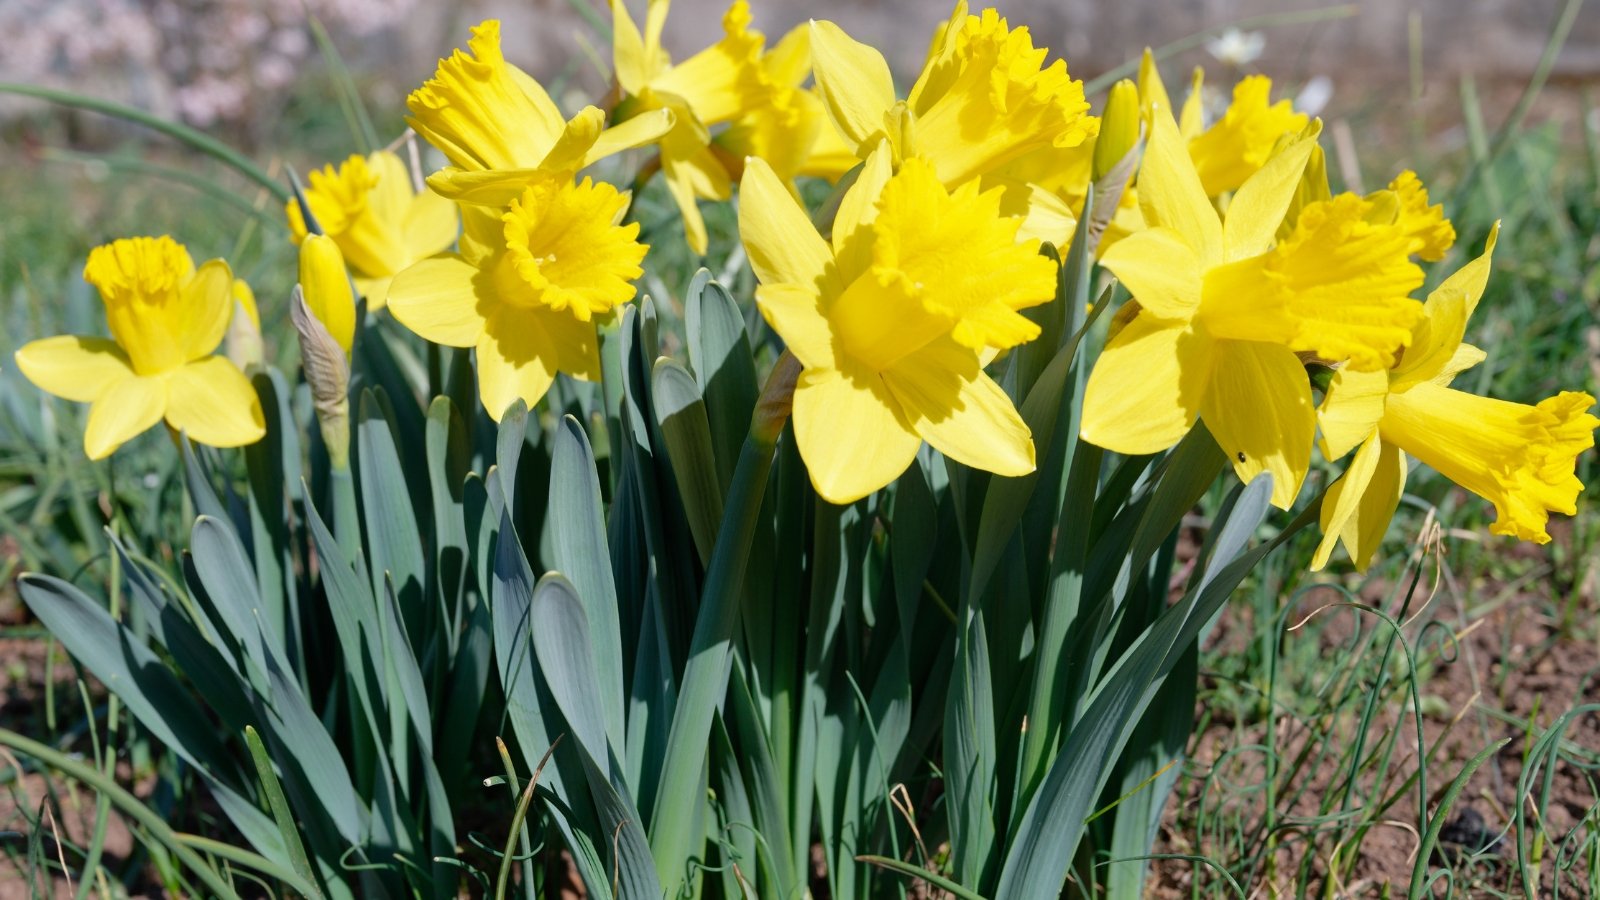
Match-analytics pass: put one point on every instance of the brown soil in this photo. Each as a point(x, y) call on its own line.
point(1512, 664)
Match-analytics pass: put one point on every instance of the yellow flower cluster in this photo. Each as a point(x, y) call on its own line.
point(1242, 265)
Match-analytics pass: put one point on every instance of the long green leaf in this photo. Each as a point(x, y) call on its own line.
point(196, 139)
point(582, 554)
point(706, 673)
point(1047, 837)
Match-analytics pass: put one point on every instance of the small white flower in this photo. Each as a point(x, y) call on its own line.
point(1237, 48)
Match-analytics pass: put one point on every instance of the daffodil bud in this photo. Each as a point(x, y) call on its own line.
point(1119, 128)
point(327, 288)
point(328, 375)
point(243, 340)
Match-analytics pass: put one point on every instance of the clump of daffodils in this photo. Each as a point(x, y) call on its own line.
point(1242, 265)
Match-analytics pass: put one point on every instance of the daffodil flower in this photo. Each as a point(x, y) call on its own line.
point(717, 85)
point(985, 99)
point(1223, 309)
point(1235, 146)
point(791, 131)
point(326, 284)
point(500, 129)
point(1521, 458)
point(891, 319)
point(166, 319)
point(526, 286)
point(381, 224)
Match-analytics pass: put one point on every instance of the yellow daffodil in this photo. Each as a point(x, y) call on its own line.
point(890, 320)
point(166, 318)
point(500, 129)
point(526, 286)
point(327, 288)
point(369, 208)
point(985, 99)
point(1521, 458)
point(1239, 144)
point(791, 131)
point(1236, 145)
point(1223, 309)
point(719, 84)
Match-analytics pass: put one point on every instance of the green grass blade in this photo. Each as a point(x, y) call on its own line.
point(280, 811)
point(182, 133)
point(155, 830)
point(905, 868)
point(1419, 873)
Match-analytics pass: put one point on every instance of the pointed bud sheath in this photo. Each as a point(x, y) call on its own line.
point(328, 375)
point(243, 340)
point(777, 400)
point(327, 288)
point(1119, 128)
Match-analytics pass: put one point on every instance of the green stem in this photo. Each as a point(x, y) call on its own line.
point(182, 133)
point(705, 676)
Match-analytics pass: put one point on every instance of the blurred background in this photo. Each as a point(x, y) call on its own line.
point(241, 64)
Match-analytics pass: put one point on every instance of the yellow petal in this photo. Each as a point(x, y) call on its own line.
point(1152, 90)
point(490, 187)
point(634, 68)
point(124, 411)
point(1436, 353)
point(438, 299)
point(74, 368)
point(960, 411)
point(1351, 410)
point(1360, 505)
point(209, 297)
point(1160, 270)
point(1145, 390)
point(1251, 225)
point(645, 128)
point(578, 136)
point(853, 80)
point(851, 433)
point(215, 404)
point(1259, 409)
point(1465, 357)
point(783, 245)
point(794, 313)
point(431, 226)
point(1170, 194)
point(327, 287)
point(522, 349)
point(852, 239)
point(726, 79)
